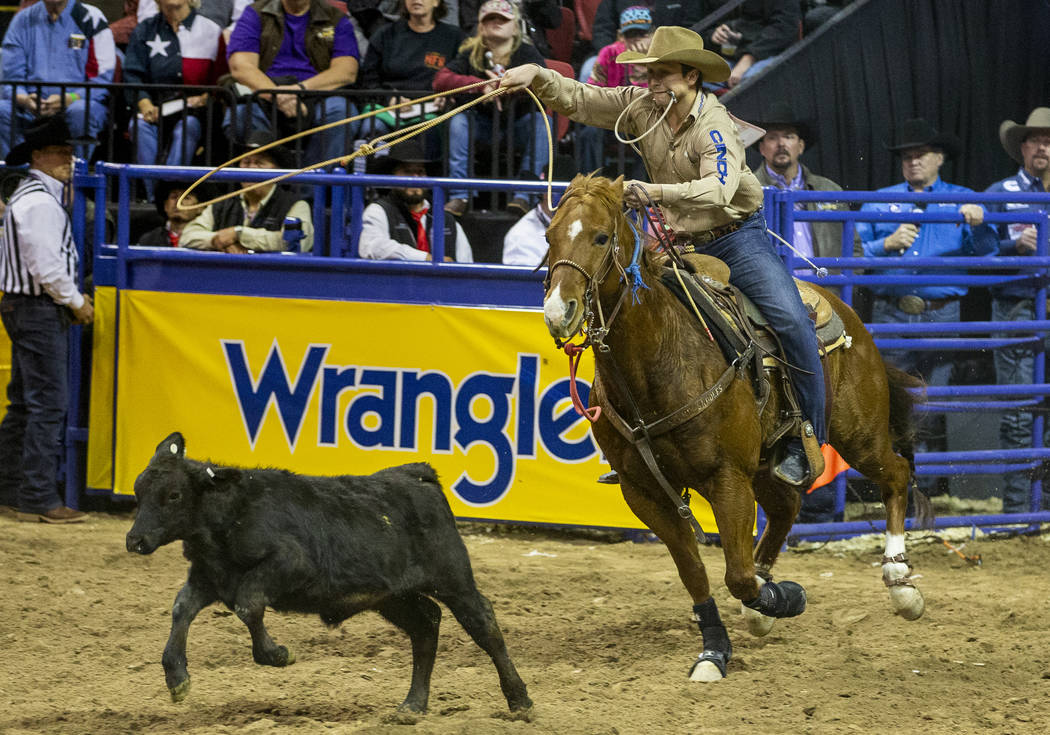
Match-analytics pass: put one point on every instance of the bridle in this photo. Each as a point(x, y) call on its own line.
point(595, 326)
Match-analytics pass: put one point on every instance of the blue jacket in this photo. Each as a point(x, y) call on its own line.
point(935, 239)
point(78, 47)
point(1008, 233)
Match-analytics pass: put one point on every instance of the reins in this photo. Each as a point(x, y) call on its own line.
point(384, 141)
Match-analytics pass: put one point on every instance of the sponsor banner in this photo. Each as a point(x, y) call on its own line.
point(326, 387)
point(100, 408)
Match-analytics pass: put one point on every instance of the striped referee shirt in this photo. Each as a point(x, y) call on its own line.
point(37, 253)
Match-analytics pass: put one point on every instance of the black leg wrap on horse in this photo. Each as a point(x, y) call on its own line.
point(779, 600)
point(717, 648)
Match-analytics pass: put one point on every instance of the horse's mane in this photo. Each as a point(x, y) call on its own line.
point(609, 193)
point(594, 186)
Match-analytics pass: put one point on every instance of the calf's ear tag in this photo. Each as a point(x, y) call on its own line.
point(174, 448)
point(211, 473)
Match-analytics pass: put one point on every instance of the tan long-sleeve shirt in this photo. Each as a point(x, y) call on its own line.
point(704, 176)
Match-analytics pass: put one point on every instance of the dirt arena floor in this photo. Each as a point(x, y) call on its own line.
point(598, 628)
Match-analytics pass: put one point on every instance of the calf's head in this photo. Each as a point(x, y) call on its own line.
point(169, 492)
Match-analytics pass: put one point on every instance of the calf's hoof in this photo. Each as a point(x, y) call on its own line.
point(758, 624)
point(280, 656)
point(180, 690)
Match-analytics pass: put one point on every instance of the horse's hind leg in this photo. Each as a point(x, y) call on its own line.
point(892, 473)
point(677, 535)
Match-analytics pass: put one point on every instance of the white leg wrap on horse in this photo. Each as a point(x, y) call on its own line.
point(906, 599)
point(758, 624)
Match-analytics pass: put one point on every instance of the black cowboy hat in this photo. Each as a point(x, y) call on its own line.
point(780, 115)
point(407, 151)
point(45, 131)
point(163, 188)
point(256, 139)
point(565, 168)
point(916, 133)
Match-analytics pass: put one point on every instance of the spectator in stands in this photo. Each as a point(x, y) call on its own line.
point(225, 13)
point(818, 12)
point(56, 41)
point(923, 151)
point(256, 221)
point(751, 41)
point(1029, 145)
point(781, 147)
point(497, 46)
point(404, 56)
point(288, 45)
point(539, 16)
point(176, 218)
point(174, 47)
point(636, 33)
point(606, 26)
point(526, 241)
point(398, 225)
point(38, 277)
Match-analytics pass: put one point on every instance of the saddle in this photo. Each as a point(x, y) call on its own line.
point(735, 323)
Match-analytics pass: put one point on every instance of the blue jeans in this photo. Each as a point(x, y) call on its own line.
point(96, 120)
point(757, 270)
point(1015, 366)
point(185, 135)
point(528, 128)
point(323, 146)
point(31, 432)
point(935, 368)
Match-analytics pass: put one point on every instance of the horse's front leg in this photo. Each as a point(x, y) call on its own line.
point(733, 503)
point(656, 511)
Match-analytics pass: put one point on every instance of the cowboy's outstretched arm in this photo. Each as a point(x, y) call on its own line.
point(585, 103)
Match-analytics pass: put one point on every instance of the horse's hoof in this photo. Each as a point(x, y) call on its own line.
point(758, 624)
point(705, 671)
point(907, 602)
point(179, 692)
point(289, 657)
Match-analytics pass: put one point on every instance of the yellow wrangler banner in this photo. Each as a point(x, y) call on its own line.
point(327, 387)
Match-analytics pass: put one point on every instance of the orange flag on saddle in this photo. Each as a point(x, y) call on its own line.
point(834, 465)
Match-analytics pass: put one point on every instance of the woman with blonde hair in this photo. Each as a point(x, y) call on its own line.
point(496, 46)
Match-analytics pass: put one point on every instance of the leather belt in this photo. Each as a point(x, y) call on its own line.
point(914, 305)
point(691, 242)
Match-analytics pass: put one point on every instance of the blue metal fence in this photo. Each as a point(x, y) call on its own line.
point(332, 270)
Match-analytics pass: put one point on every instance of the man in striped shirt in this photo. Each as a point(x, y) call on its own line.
point(38, 268)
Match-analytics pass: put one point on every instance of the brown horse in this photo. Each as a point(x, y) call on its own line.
point(656, 359)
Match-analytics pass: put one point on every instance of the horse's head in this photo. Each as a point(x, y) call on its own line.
point(587, 243)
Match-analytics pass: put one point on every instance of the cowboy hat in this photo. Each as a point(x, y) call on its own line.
point(916, 133)
point(163, 188)
point(280, 155)
point(780, 115)
point(1012, 135)
point(674, 43)
point(45, 131)
point(411, 150)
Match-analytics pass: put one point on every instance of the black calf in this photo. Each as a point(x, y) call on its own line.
point(328, 545)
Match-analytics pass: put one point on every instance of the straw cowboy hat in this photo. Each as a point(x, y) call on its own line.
point(674, 43)
point(1012, 135)
point(916, 133)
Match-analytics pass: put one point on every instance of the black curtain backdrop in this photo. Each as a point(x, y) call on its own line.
point(964, 65)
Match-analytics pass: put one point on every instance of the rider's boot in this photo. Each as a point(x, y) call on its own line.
point(609, 478)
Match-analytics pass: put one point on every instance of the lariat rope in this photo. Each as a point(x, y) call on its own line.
point(367, 149)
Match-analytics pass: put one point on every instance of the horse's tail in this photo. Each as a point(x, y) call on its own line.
point(904, 395)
